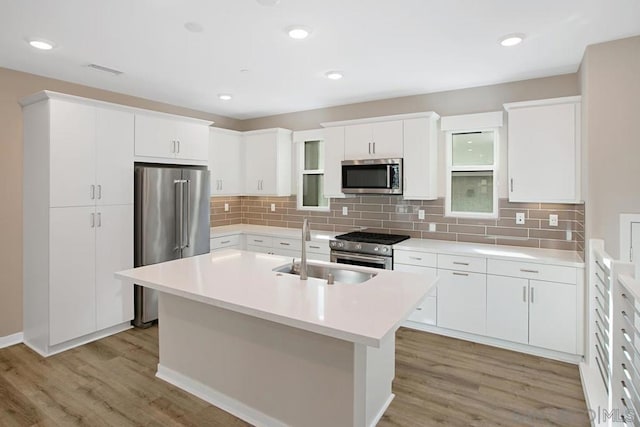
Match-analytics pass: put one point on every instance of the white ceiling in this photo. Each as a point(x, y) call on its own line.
point(385, 48)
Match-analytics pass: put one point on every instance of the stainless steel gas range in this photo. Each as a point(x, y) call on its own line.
point(365, 249)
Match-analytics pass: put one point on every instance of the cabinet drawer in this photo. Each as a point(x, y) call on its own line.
point(527, 270)
point(426, 312)
point(226, 248)
point(424, 259)
point(257, 240)
point(259, 249)
point(462, 263)
point(428, 272)
point(318, 247)
point(289, 244)
point(224, 242)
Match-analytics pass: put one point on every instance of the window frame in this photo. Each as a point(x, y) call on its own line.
point(495, 168)
point(300, 172)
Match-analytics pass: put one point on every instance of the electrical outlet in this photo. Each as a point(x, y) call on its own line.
point(226, 207)
point(273, 207)
point(569, 235)
point(553, 220)
point(432, 226)
point(345, 210)
point(420, 213)
point(520, 218)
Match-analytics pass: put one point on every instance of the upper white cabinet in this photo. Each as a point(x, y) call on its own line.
point(98, 142)
point(171, 137)
point(544, 150)
point(333, 157)
point(373, 140)
point(225, 162)
point(267, 162)
point(420, 164)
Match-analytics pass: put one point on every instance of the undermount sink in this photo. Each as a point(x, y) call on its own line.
point(320, 271)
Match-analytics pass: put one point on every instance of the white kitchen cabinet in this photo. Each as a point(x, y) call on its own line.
point(225, 162)
point(376, 140)
point(333, 157)
point(420, 158)
point(163, 136)
point(98, 142)
point(552, 316)
point(76, 235)
point(233, 241)
point(544, 150)
point(426, 312)
point(462, 301)
point(267, 162)
point(508, 308)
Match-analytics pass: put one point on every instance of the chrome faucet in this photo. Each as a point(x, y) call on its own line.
point(306, 237)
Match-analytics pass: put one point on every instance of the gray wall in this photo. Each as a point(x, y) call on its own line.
point(610, 81)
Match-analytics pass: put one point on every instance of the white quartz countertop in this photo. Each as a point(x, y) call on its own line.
point(228, 230)
point(244, 282)
point(511, 253)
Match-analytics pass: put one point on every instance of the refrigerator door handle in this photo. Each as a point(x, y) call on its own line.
point(179, 212)
point(188, 228)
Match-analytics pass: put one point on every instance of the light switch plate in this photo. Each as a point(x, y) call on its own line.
point(553, 220)
point(273, 207)
point(420, 213)
point(432, 226)
point(345, 210)
point(226, 207)
point(520, 218)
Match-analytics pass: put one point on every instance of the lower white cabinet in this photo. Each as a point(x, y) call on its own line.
point(508, 308)
point(462, 301)
point(427, 311)
point(233, 241)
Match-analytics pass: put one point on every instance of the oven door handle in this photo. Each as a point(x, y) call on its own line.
point(346, 255)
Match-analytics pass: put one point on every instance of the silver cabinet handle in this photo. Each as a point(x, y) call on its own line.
point(524, 270)
point(374, 148)
point(532, 294)
point(419, 308)
point(92, 220)
point(417, 258)
point(224, 242)
point(257, 241)
point(285, 244)
point(99, 215)
point(313, 247)
point(220, 184)
point(99, 191)
point(173, 146)
point(178, 145)
point(369, 148)
point(524, 294)
point(258, 185)
point(460, 263)
point(512, 185)
point(92, 191)
point(455, 273)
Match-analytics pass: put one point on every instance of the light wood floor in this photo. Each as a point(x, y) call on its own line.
point(439, 381)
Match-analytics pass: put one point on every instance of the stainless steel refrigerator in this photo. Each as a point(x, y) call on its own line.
point(171, 222)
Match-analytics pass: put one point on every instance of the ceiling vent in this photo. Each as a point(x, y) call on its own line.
point(105, 69)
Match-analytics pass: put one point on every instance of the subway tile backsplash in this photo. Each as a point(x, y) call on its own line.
point(392, 214)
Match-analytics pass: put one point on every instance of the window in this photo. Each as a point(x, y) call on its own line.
point(311, 177)
point(471, 173)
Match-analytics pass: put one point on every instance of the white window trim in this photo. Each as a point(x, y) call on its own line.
point(495, 168)
point(300, 172)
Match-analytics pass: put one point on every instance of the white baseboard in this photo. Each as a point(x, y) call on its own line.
point(221, 400)
point(494, 342)
point(10, 340)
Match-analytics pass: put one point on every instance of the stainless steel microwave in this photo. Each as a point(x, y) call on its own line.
point(372, 176)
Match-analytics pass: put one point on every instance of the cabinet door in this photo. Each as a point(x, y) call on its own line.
point(426, 312)
point(462, 301)
point(114, 154)
point(260, 164)
point(543, 154)
point(225, 163)
point(508, 308)
point(357, 142)
point(72, 298)
point(552, 316)
point(114, 252)
point(155, 136)
point(333, 157)
point(387, 139)
point(73, 156)
point(420, 159)
point(193, 141)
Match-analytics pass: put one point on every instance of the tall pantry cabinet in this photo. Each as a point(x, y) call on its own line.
point(78, 220)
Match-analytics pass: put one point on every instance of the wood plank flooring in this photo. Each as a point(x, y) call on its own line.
point(439, 381)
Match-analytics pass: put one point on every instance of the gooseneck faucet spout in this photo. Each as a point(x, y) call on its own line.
point(306, 237)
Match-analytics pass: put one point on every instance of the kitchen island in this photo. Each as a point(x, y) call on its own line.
point(275, 350)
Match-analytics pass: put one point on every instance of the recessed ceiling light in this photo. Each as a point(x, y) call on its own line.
point(193, 27)
point(334, 75)
point(268, 2)
point(298, 32)
point(41, 44)
point(225, 96)
point(469, 142)
point(511, 40)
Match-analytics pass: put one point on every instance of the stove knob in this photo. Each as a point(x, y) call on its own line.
point(376, 249)
point(358, 246)
point(385, 249)
point(341, 245)
point(332, 244)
